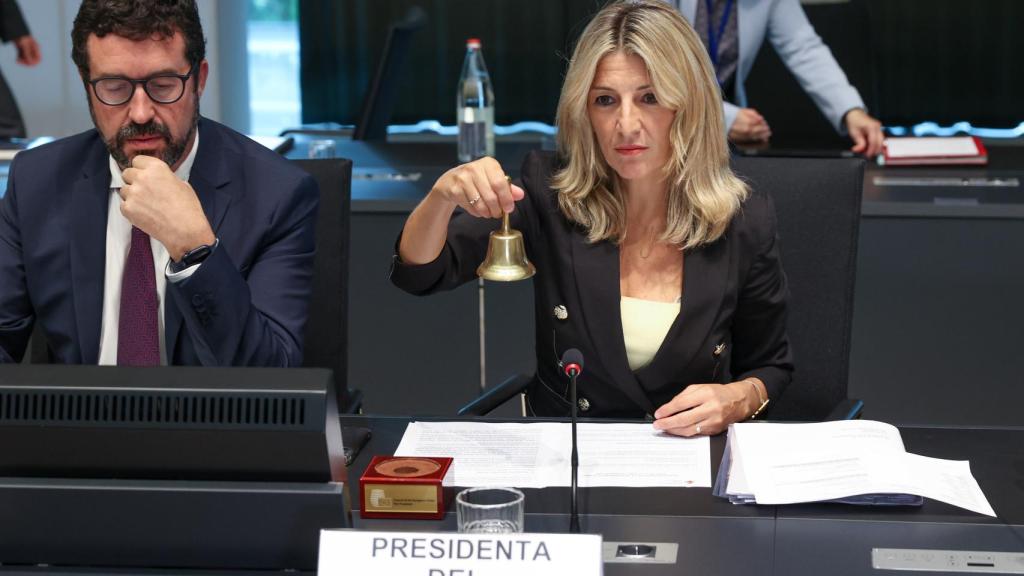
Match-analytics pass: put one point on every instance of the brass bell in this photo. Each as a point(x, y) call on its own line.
point(506, 256)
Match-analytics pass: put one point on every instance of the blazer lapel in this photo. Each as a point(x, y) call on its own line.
point(596, 267)
point(211, 179)
point(705, 273)
point(89, 204)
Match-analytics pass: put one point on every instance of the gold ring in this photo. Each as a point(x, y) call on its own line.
point(474, 200)
point(698, 428)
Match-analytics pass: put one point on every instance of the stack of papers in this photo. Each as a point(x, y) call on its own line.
point(934, 150)
point(536, 454)
point(851, 461)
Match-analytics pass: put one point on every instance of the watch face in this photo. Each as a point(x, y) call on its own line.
point(195, 256)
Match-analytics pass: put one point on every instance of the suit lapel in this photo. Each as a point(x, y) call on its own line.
point(89, 204)
point(596, 267)
point(705, 273)
point(211, 179)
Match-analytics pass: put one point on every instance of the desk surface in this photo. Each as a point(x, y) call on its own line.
point(710, 529)
point(394, 176)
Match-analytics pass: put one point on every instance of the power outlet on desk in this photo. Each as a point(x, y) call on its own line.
point(639, 552)
point(922, 560)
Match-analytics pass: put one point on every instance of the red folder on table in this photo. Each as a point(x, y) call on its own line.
point(932, 150)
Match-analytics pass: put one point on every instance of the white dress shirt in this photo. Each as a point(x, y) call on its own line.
point(119, 240)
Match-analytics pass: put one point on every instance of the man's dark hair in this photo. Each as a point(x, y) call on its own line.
point(137, 20)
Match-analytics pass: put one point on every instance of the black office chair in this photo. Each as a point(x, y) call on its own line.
point(817, 202)
point(326, 336)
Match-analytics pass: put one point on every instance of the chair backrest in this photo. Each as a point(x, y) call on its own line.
point(326, 336)
point(818, 206)
point(379, 100)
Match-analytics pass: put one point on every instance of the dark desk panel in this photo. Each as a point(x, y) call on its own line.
point(938, 328)
point(937, 324)
point(992, 191)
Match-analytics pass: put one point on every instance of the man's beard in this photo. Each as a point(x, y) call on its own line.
point(173, 150)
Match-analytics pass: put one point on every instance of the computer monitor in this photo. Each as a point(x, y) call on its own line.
point(379, 101)
point(180, 468)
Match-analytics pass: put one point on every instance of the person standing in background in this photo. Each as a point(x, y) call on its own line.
point(14, 29)
point(733, 31)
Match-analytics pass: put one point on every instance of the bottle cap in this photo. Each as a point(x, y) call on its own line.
point(473, 43)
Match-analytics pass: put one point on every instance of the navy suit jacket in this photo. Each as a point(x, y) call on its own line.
point(731, 325)
point(245, 305)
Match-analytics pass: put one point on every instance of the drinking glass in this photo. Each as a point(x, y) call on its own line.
point(490, 510)
point(321, 148)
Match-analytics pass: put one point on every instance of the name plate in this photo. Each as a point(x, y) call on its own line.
point(345, 552)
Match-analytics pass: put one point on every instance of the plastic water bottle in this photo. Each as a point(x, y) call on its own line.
point(475, 106)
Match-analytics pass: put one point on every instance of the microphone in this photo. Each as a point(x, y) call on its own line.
point(572, 365)
point(572, 362)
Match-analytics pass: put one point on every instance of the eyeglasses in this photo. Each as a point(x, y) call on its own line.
point(161, 88)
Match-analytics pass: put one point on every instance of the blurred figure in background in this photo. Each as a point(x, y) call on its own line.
point(14, 29)
point(733, 31)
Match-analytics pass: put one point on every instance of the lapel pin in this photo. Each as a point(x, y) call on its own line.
point(719, 349)
point(561, 313)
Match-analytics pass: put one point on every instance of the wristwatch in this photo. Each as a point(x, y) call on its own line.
point(194, 256)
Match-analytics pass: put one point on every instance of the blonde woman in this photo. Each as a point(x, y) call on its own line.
point(652, 258)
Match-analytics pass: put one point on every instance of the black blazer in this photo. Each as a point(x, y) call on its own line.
point(731, 325)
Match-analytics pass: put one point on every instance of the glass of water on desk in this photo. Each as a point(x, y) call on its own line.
point(321, 149)
point(489, 510)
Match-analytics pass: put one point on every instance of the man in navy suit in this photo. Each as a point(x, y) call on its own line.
point(159, 237)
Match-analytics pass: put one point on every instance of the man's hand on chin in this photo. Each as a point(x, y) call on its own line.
point(157, 202)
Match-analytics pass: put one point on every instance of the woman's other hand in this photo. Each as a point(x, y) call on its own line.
point(709, 408)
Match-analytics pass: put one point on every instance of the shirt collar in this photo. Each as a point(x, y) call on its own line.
point(183, 172)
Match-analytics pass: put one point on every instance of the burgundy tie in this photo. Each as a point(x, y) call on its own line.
point(138, 337)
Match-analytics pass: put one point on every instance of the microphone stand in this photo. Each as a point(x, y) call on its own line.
point(574, 518)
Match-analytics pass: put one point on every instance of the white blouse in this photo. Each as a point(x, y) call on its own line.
point(645, 323)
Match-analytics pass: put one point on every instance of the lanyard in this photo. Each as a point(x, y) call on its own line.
point(715, 38)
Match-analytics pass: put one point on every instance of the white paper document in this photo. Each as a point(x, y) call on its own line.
point(791, 463)
point(930, 146)
point(536, 454)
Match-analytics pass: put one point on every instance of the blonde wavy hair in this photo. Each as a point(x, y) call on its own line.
point(703, 193)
